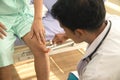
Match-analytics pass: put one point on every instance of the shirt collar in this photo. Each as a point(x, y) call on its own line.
point(96, 42)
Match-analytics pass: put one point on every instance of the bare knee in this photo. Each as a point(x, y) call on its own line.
point(35, 46)
point(39, 50)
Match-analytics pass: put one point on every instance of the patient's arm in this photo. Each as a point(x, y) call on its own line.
point(59, 38)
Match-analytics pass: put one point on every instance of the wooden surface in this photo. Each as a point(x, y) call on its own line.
point(117, 2)
point(61, 65)
point(113, 7)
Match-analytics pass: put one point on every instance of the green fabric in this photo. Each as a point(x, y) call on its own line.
point(8, 7)
point(19, 26)
point(10, 10)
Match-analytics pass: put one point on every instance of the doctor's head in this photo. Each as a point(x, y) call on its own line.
point(79, 17)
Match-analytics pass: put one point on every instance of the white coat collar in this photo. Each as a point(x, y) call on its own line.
point(96, 42)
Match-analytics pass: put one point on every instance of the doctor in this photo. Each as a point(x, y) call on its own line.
point(84, 20)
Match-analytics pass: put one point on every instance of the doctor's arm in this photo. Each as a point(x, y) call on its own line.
point(60, 38)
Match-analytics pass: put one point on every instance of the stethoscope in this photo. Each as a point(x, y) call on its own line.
point(89, 57)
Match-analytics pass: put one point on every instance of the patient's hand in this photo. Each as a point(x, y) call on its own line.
point(2, 30)
point(59, 38)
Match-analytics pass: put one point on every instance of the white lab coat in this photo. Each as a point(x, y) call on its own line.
point(105, 63)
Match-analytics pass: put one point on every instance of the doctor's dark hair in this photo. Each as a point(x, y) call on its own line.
point(80, 14)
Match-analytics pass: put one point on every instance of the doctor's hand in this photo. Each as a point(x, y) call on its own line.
point(38, 31)
point(59, 38)
point(2, 31)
